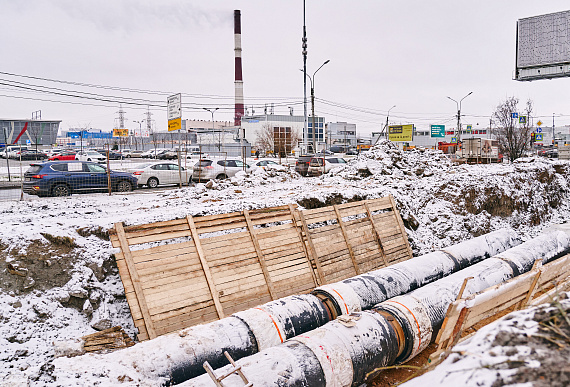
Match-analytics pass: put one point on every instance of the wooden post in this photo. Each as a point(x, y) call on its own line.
point(463, 285)
point(458, 329)
point(135, 280)
point(376, 233)
point(533, 286)
point(205, 267)
point(260, 256)
point(341, 224)
point(294, 213)
point(320, 274)
point(401, 224)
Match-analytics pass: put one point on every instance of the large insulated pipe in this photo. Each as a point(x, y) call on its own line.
point(364, 291)
point(270, 324)
point(239, 105)
point(354, 346)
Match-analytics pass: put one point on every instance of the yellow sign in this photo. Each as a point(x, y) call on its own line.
point(400, 132)
point(174, 124)
point(539, 123)
point(120, 132)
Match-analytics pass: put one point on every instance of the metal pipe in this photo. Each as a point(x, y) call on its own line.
point(269, 325)
point(353, 347)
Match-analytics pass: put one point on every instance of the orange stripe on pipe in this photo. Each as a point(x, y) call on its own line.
point(274, 323)
point(346, 306)
point(417, 323)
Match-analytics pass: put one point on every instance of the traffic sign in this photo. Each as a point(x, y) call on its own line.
point(514, 115)
point(522, 119)
point(539, 123)
point(538, 137)
point(538, 130)
point(174, 112)
point(453, 139)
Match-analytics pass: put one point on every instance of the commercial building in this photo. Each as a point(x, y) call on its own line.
point(18, 131)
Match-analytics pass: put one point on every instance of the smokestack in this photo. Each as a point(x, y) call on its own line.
point(239, 108)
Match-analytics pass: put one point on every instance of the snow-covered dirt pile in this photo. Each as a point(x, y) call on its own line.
point(57, 272)
point(529, 346)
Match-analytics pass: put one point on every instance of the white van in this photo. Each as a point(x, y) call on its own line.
point(13, 150)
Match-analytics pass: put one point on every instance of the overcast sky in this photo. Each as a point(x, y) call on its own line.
point(412, 54)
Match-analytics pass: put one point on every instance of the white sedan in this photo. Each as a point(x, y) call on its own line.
point(154, 174)
point(269, 164)
point(90, 156)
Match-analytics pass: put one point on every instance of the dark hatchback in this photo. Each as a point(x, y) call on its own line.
point(62, 178)
point(302, 164)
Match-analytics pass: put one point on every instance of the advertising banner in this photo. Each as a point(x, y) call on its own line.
point(174, 112)
point(401, 132)
point(437, 130)
point(120, 132)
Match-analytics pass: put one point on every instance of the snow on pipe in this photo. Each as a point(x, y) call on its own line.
point(350, 348)
point(256, 329)
point(366, 290)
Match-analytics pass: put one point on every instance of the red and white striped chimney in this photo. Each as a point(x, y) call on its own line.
point(239, 107)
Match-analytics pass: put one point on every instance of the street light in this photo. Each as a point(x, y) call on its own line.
point(311, 79)
point(140, 132)
point(388, 115)
point(213, 131)
point(459, 115)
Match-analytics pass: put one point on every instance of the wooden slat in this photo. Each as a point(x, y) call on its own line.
point(347, 240)
point(260, 256)
point(205, 267)
point(401, 224)
point(311, 249)
point(135, 279)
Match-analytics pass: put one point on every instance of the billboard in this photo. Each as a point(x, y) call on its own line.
point(437, 130)
point(543, 47)
point(120, 132)
point(400, 132)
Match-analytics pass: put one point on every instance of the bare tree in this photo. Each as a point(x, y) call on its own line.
point(278, 140)
point(513, 136)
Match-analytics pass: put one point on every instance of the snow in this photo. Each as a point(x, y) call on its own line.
point(441, 204)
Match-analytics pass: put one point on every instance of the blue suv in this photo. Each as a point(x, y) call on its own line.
point(62, 178)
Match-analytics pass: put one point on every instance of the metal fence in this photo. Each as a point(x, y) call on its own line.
point(22, 179)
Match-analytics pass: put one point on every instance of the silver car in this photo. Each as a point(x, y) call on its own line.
point(155, 174)
point(207, 169)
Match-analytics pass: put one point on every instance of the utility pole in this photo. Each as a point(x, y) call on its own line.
point(304, 46)
point(553, 129)
point(459, 115)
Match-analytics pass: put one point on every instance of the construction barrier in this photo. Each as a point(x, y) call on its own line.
point(195, 270)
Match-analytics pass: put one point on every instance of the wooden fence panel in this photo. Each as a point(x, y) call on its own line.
point(195, 270)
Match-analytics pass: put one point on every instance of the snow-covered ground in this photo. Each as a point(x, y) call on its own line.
point(57, 276)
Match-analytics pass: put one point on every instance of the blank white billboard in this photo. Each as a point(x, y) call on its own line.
point(543, 40)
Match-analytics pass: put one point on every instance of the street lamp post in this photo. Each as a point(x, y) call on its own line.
point(312, 80)
point(213, 130)
point(459, 115)
point(387, 116)
point(140, 132)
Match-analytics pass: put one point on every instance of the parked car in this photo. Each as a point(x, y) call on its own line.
point(62, 178)
point(171, 154)
point(30, 154)
point(131, 154)
point(316, 166)
point(205, 169)
point(64, 155)
point(13, 150)
point(115, 155)
point(155, 174)
point(302, 164)
point(152, 153)
point(90, 156)
point(269, 164)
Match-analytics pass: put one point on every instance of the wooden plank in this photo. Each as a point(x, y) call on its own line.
point(158, 237)
point(165, 223)
point(135, 279)
point(260, 256)
point(347, 240)
point(533, 286)
point(156, 231)
point(205, 267)
point(222, 227)
point(380, 204)
point(401, 225)
point(311, 249)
